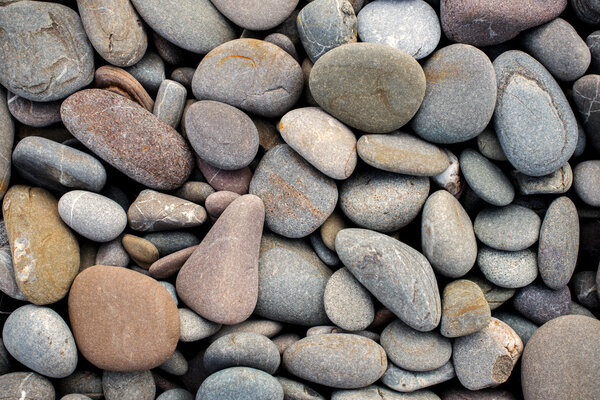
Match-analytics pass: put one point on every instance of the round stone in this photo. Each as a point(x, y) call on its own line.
point(460, 95)
point(244, 349)
point(133, 385)
point(486, 179)
point(379, 100)
point(347, 303)
point(464, 309)
point(149, 71)
point(586, 180)
point(33, 113)
point(193, 327)
point(284, 341)
point(196, 192)
point(16, 385)
point(240, 383)
point(540, 304)
point(256, 14)
point(381, 200)
point(217, 202)
point(510, 228)
point(508, 269)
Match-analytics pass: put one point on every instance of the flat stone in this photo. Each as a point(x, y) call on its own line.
point(293, 390)
point(236, 181)
point(400, 277)
point(56, 166)
point(559, 243)
point(175, 365)
point(217, 202)
point(244, 349)
point(587, 182)
point(510, 228)
point(540, 304)
point(347, 303)
point(403, 380)
point(345, 85)
point(240, 383)
point(489, 145)
point(533, 148)
point(45, 54)
point(134, 385)
point(402, 153)
point(324, 25)
point(8, 284)
point(122, 301)
point(221, 135)
point(486, 358)
point(522, 326)
point(82, 381)
point(297, 197)
point(508, 269)
point(494, 295)
point(170, 102)
point(169, 265)
point(129, 138)
point(26, 384)
point(561, 360)
point(7, 134)
point(460, 95)
point(41, 340)
point(412, 350)
point(45, 252)
point(557, 182)
point(149, 71)
point(447, 237)
point(220, 279)
point(464, 309)
point(256, 14)
point(196, 192)
point(194, 327)
point(121, 82)
point(256, 76)
point(265, 327)
point(169, 242)
point(486, 179)
point(34, 113)
point(381, 200)
point(320, 139)
point(336, 360)
point(142, 251)
point(380, 393)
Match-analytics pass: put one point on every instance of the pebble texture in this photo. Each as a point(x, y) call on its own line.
point(170, 102)
point(403, 380)
point(240, 383)
point(256, 14)
point(128, 385)
point(486, 179)
point(464, 309)
point(557, 182)
point(522, 326)
point(121, 82)
point(27, 385)
point(510, 228)
point(586, 181)
point(347, 303)
point(244, 349)
point(380, 393)
point(149, 71)
point(7, 133)
point(540, 304)
point(34, 113)
point(508, 269)
point(8, 284)
point(194, 327)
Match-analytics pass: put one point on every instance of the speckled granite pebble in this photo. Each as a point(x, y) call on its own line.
point(586, 180)
point(508, 269)
point(347, 303)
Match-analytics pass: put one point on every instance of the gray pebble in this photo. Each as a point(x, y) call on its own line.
point(34, 113)
point(284, 341)
point(528, 94)
point(240, 383)
point(557, 182)
point(81, 381)
point(116, 194)
point(347, 303)
point(169, 102)
point(380, 393)
point(403, 380)
point(184, 75)
point(196, 192)
point(578, 309)
point(257, 14)
point(41, 340)
point(243, 349)
point(193, 327)
point(327, 256)
point(293, 390)
point(176, 364)
point(489, 145)
point(112, 253)
point(169, 242)
point(581, 141)
point(584, 287)
point(464, 309)
point(508, 269)
point(169, 52)
point(523, 327)
point(171, 289)
point(149, 71)
point(176, 394)
point(494, 295)
point(486, 179)
point(593, 43)
point(26, 385)
point(75, 396)
point(510, 228)
point(540, 304)
point(587, 11)
point(586, 180)
point(284, 42)
point(128, 385)
point(265, 327)
point(586, 99)
point(8, 284)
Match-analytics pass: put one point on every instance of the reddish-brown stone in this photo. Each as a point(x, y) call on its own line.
point(236, 181)
point(171, 264)
point(217, 202)
point(122, 82)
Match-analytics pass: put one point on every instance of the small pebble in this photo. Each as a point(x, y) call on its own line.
point(509, 228)
point(464, 309)
point(347, 303)
point(193, 327)
point(557, 182)
point(169, 103)
point(522, 326)
point(402, 380)
point(128, 385)
point(240, 383)
point(486, 179)
point(508, 269)
point(149, 71)
point(540, 304)
point(243, 349)
point(586, 181)
point(16, 385)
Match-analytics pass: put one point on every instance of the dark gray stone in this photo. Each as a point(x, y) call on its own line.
point(540, 304)
point(26, 385)
point(327, 256)
point(149, 71)
point(293, 390)
point(585, 289)
point(587, 11)
point(171, 241)
point(510, 228)
point(486, 179)
point(128, 385)
point(243, 349)
point(176, 394)
point(240, 383)
point(8, 284)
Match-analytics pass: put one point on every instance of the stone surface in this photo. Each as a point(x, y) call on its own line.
point(403, 380)
point(217, 202)
point(106, 302)
point(508, 269)
point(464, 309)
point(284, 42)
point(336, 360)
point(284, 341)
point(240, 383)
point(121, 82)
point(17, 385)
point(170, 264)
point(128, 385)
point(381, 200)
point(347, 303)
point(380, 393)
point(294, 390)
point(194, 327)
point(8, 284)
point(7, 134)
point(244, 349)
point(34, 113)
point(142, 251)
point(45, 54)
point(447, 237)
point(265, 327)
point(175, 365)
point(486, 179)
point(587, 11)
point(325, 254)
point(256, 14)
point(510, 228)
point(557, 182)
point(169, 242)
point(586, 180)
point(400, 277)
point(196, 192)
point(451, 179)
point(483, 394)
point(527, 94)
point(489, 145)
point(149, 71)
point(540, 304)
point(494, 295)
point(522, 326)
point(45, 252)
point(378, 100)
point(220, 279)
point(129, 138)
point(585, 98)
point(170, 102)
point(82, 381)
point(176, 394)
point(584, 288)
point(236, 181)
point(256, 76)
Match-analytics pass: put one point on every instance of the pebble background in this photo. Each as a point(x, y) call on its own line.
point(300, 200)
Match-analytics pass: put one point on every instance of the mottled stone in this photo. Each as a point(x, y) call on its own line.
point(81, 381)
point(75, 396)
point(170, 102)
point(34, 113)
point(194, 327)
point(330, 228)
point(584, 288)
point(26, 385)
point(510, 228)
point(540, 304)
point(464, 309)
point(557, 182)
point(236, 181)
point(175, 365)
point(256, 14)
point(494, 295)
point(486, 179)
point(169, 242)
point(347, 303)
point(508, 269)
point(149, 71)
point(169, 265)
point(142, 251)
point(489, 145)
point(128, 385)
point(586, 180)
point(244, 349)
point(240, 383)
point(522, 326)
point(129, 138)
point(217, 202)
point(578, 309)
point(586, 98)
point(403, 380)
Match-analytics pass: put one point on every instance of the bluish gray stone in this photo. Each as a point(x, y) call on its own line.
point(171, 289)
point(243, 349)
point(26, 385)
point(256, 14)
point(176, 364)
point(169, 102)
point(128, 385)
point(400, 277)
point(508, 269)
point(586, 180)
point(510, 228)
point(112, 253)
point(380, 393)
point(82, 381)
point(176, 394)
point(41, 340)
point(347, 303)
point(293, 390)
point(403, 380)
point(149, 71)
point(171, 241)
point(587, 11)
point(327, 256)
point(240, 383)
point(528, 94)
point(486, 179)
point(539, 304)
point(193, 327)
point(489, 145)
point(8, 284)
point(522, 326)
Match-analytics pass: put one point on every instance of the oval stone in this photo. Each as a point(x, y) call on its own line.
point(508, 269)
point(539, 304)
point(256, 14)
point(137, 385)
point(254, 75)
point(586, 181)
point(347, 303)
point(44, 52)
point(403, 380)
point(240, 383)
point(464, 309)
point(528, 94)
point(486, 179)
point(34, 113)
point(30, 385)
point(243, 349)
point(45, 252)
point(41, 340)
point(294, 390)
point(336, 360)
point(369, 86)
point(194, 327)
point(399, 276)
point(122, 320)
point(510, 228)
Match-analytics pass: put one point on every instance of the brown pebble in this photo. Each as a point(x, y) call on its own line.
point(142, 251)
point(217, 202)
point(171, 264)
point(119, 81)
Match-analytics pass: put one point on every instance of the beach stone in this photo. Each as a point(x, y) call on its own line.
point(56, 166)
point(585, 97)
point(486, 179)
point(93, 216)
point(268, 136)
point(7, 134)
point(327, 256)
point(411, 26)
point(33, 113)
point(128, 385)
point(586, 180)
point(587, 11)
point(220, 279)
point(508, 269)
point(347, 303)
point(330, 228)
point(522, 326)
point(464, 309)
point(169, 265)
point(176, 394)
point(486, 358)
point(171, 289)
point(485, 24)
point(584, 288)
point(284, 341)
point(483, 394)
point(169, 242)
point(451, 179)
point(217, 202)
point(45, 252)
point(323, 141)
point(539, 304)
point(400, 277)
point(578, 309)
point(557, 182)
point(345, 85)
point(236, 181)
point(142, 251)
point(8, 284)
point(447, 237)
point(283, 42)
point(121, 82)
point(184, 76)
point(81, 381)
point(221, 135)
point(256, 76)
point(294, 294)
point(460, 95)
point(25, 385)
point(510, 228)
point(175, 365)
point(170, 102)
point(403, 380)
point(240, 383)
point(169, 52)
point(559, 243)
point(194, 327)
point(45, 54)
point(40, 339)
point(256, 15)
point(129, 138)
point(402, 153)
point(306, 94)
point(155, 211)
point(265, 327)
point(336, 360)
point(75, 396)
point(193, 191)
point(324, 25)
point(525, 85)
point(381, 200)
point(115, 30)
point(489, 145)
point(293, 390)
point(380, 393)
point(149, 71)
point(122, 301)
point(297, 197)
point(561, 359)
point(558, 46)
point(412, 350)
point(244, 349)
point(494, 295)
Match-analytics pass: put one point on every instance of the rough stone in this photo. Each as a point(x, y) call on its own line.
point(540, 304)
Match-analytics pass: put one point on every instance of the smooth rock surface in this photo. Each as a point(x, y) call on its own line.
point(34, 113)
point(193, 327)
point(510, 228)
point(347, 303)
point(15, 385)
point(585, 99)
point(464, 309)
point(8, 284)
point(170, 101)
point(244, 349)
point(240, 383)
point(7, 134)
point(149, 71)
point(128, 385)
point(486, 179)
point(522, 326)
point(586, 181)
point(256, 14)
point(540, 304)
point(380, 393)
point(403, 380)
point(508, 269)
point(557, 182)
point(294, 390)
